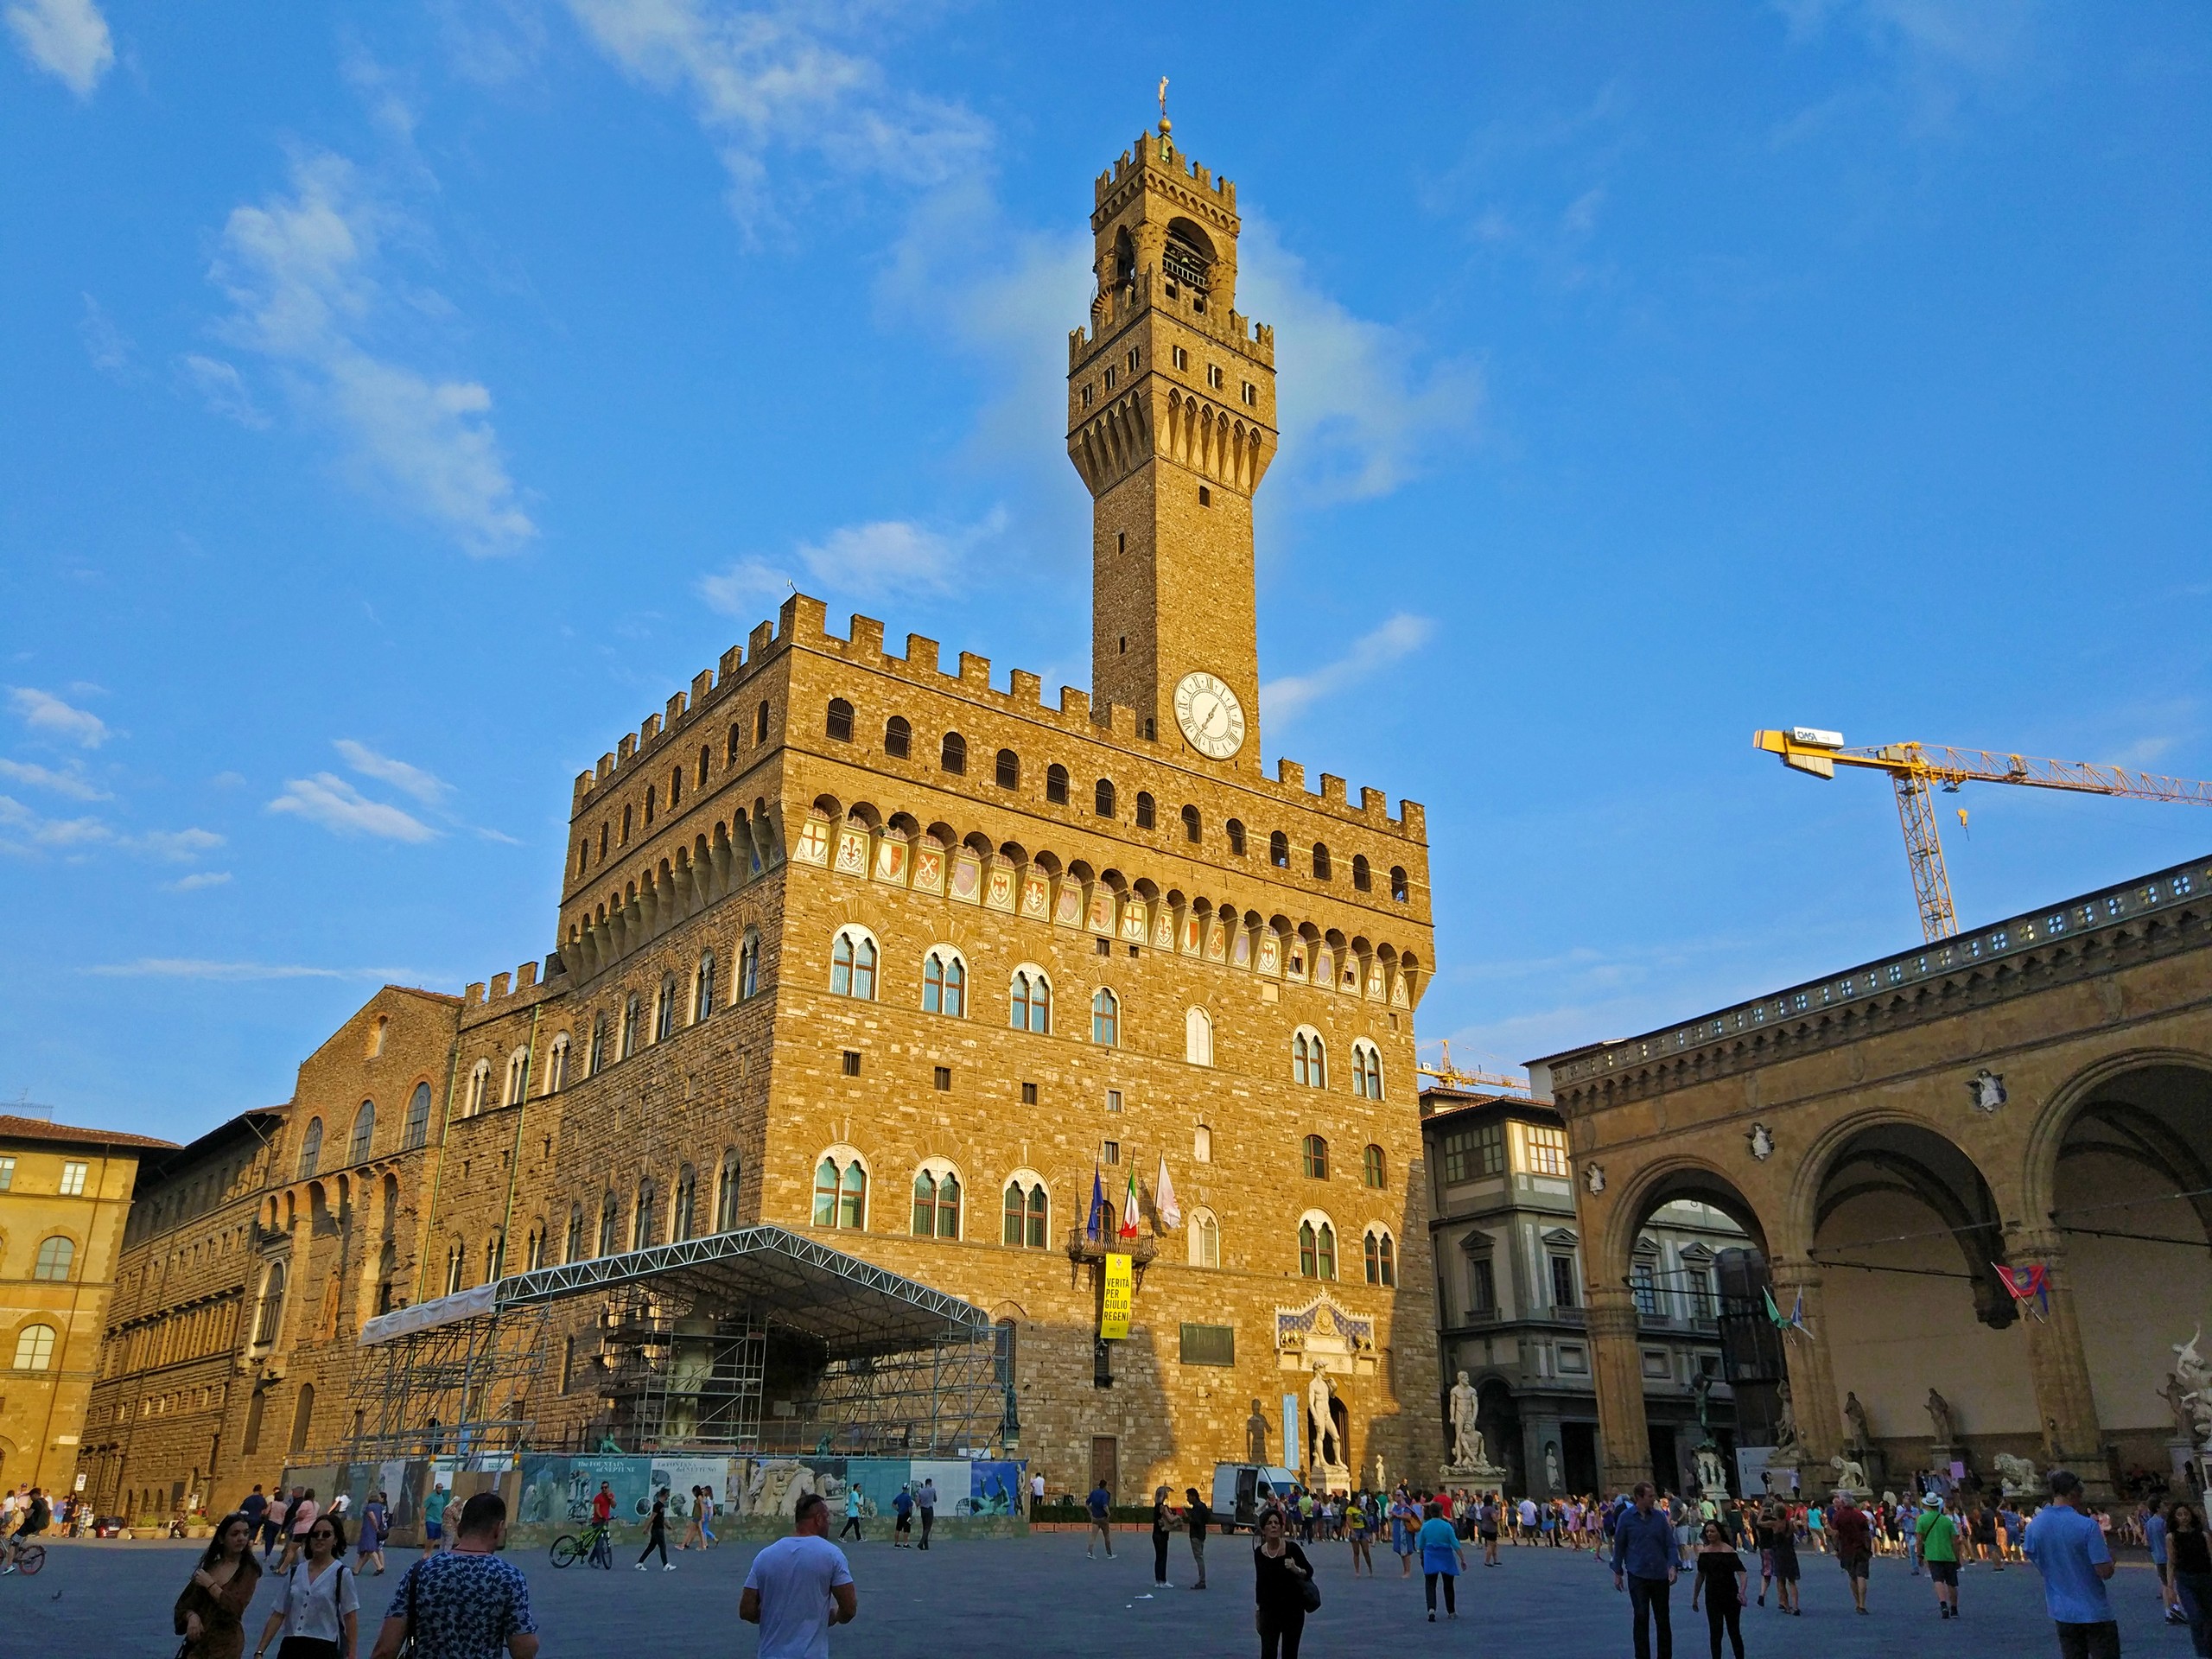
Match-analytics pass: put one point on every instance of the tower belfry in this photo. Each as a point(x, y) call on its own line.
point(1172, 424)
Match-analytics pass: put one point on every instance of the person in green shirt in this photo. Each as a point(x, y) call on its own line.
point(433, 1519)
point(1939, 1548)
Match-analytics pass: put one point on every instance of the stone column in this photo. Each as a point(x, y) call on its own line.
point(2072, 1436)
point(1812, 1371)
point(1617, 1368)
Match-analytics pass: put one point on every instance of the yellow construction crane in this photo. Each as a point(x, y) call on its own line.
point(1446, 1073)
point(1916, 769)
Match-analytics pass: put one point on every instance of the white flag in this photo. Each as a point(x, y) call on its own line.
point(1163, 1198)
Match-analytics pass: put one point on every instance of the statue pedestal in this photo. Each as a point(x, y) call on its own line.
point(1477, 1477)
point(1329, 1477)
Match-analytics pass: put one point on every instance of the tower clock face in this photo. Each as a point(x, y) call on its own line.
point(1209, 715)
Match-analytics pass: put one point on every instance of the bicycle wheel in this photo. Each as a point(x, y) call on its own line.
point(32, 1559)
point(565, 1551)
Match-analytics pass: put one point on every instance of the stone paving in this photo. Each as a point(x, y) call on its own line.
point(1038, 1597)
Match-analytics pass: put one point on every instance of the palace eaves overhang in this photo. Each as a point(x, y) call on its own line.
point(1920, 983)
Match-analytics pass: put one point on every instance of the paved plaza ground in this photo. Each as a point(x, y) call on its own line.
point(1038, 1597)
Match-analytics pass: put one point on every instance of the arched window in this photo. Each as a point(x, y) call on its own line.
point(1056, 784)
point(1366, 1070)
point(630, 1010)
point(270, 1318)
point(417, 1128)
point(702, 988)
point(1236, 836)
point(839, 726)
point(610, 1223)
point(937, 1202)
point(749, 966)
point(575, 1252)
point(647, 1213)
point(1198, 1037)
point(557, 1071)
point(1206, 1239)
point(1279, 850)
point(1202, 1145)
point(664, 1009)
point(1102, 798)
point(954, 757)
point(302, 1419)
point(852, 964)
point(726, 1195)
point(706, 762)
point(1147, 812)
point(945, 983)
point(595, 1056)
point(1105, 1018)
point(311, 1148)
point(1309, 1059)
point(1374, 1167)
point(1317, 1247)
point(1316, 1158)
point(1399, 890)
point(1008, 771)
point(841, 1191)
point(479, 1089)
point(760, 724)
point(1381, 1251)
point(364, 1133)
point(518, 1076)
point(495, 1257)
point(1360, 877)
point(898, 737)
point(1029, 1006)
point(1320, 861)
point(1025, 1211)
point(54, 1256)
point(683, 1214)
point(533, 1256)
point(1191, 823)
point(456, 1266)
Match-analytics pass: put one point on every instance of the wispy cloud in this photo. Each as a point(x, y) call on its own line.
point(223, 389)
point(68, 39)
point(107, 345)
point(765, 77)
point(23, 830)
point(199, 880)
point(301, 270)
point(203, 967)
point(1930, 58)
point(329, 800)
point(425, 786)
point(49, 716)
point(72, 783)
point(868, 562)
point(1371, 653)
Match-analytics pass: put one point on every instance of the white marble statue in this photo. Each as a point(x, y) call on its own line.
point(1850, 1475)
point(1469, 1455)
point(2016, 1476)
point(1552, 1480)
point(1712, 1473)
point(1330, 1447)
point(2194, 1375)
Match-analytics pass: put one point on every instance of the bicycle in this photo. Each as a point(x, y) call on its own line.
point(26, 1559)
point(594, 1546)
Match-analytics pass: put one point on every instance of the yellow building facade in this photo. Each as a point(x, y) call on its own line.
point(889, 948)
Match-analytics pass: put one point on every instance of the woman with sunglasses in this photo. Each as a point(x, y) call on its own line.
point(210, 1611)
point(319, 1613)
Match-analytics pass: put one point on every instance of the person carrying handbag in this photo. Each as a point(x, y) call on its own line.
point(210, 1611)
point(1282, 1587)
point(320, 1614)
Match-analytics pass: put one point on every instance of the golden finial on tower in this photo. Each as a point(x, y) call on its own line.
point(1163, 104)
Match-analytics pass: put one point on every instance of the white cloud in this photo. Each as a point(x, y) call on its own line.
point(72, 783)
point(866, 561)
point(223, 389)
point(178, 846)
point(197, 880)
point(771, 77)
point(1393, 642)
point(68, 39)
point(22, 830)
point(48, 716)
point(105, 344)
point(201, 967)
point(330, 801)
point(426, 787)
point(300, 269)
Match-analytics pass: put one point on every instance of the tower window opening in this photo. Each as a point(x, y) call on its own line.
point(1181, 358)
point(1103, 797)
point(1086, 394)
point(1360, 877)
point(1251, 393)
point(839, 726)
point(1279, 850)
point(1235, 837)
point(1183, 261)
point(954, 756)
point(1110, 376)
point(1009, 769)
point(1056, 784)
point(1134, 359)
point(1145, 812)
point(1215, 376)
point(898, 737)
point(1205, 496)
point(1121, 545)
point(1124, 645)
point(760, 724)
point(1151, 729)
point(1191, 823)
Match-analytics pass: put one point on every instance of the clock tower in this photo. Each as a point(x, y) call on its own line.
point(1172, 424)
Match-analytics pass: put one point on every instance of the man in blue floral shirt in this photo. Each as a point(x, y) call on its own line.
point(464, 1603)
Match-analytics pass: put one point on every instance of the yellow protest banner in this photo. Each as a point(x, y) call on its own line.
point(1114, 1310)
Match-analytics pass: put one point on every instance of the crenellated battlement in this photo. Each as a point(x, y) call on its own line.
point(1156, 153)
point(1115, 310)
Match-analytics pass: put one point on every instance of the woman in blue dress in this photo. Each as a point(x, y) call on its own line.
point(1404, 1518)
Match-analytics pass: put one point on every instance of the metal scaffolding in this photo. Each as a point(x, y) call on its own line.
point(760, 1340)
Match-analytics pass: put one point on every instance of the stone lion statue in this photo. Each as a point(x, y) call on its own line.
point(2016, 1476)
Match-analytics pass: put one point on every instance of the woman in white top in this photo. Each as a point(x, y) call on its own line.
point(320, 1611)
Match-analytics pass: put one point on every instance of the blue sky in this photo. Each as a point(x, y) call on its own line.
point(401, 401)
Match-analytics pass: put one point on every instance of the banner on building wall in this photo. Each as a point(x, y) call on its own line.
point(1114, 1309)
point(1294, 1432)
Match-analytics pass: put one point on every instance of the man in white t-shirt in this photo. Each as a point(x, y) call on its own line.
point(1036, 1491)
point(799, 1587)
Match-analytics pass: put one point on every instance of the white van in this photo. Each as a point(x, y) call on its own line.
point(1241, 1490)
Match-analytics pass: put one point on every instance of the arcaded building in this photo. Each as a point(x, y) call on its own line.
point(884, 947)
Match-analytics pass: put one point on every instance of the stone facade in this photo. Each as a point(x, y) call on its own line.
point(2033, 1094)
point(776, 890)
point(64, 1193)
